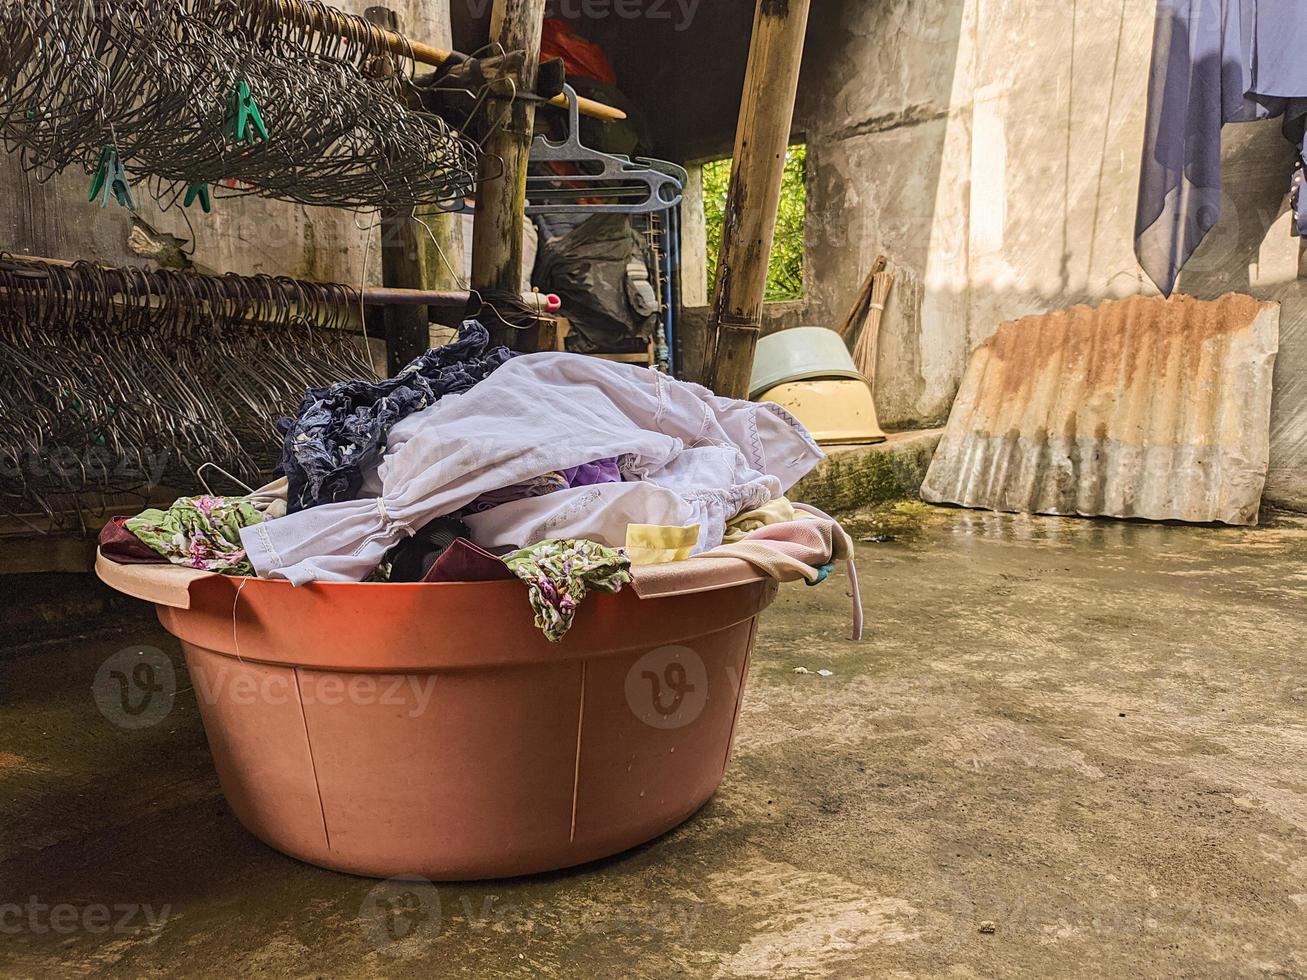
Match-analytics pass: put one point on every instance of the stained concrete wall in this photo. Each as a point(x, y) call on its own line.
point(991, 149)
point(246, 236)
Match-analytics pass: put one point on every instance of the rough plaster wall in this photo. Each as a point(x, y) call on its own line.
point(1252, 251)
point(991, 149)
point(244, 236)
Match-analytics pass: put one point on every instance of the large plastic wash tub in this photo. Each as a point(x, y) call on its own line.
point(431, 730)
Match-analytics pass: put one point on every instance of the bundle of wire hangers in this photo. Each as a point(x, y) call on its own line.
point(113, 379)
point(156, 82)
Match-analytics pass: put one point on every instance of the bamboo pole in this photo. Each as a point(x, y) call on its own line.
point(123, 280)
point(335, 22)
point(516, 25)
point(762, 137)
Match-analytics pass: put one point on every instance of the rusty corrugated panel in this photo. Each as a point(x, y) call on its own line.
point(1142, 407)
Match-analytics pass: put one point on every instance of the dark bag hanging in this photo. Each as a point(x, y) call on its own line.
point(601, 272)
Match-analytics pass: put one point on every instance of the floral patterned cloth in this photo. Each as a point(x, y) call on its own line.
point(561, 573)
point(199, 532)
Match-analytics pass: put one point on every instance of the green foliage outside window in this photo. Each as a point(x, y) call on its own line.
point(785, 271)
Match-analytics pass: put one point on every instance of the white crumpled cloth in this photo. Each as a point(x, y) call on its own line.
point(688, 457)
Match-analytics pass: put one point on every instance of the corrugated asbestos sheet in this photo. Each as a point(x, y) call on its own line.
point(1143, 407)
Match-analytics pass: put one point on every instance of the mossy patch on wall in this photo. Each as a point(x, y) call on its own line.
point(852, 479)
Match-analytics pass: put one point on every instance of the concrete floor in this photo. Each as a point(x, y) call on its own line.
point(1067, 748)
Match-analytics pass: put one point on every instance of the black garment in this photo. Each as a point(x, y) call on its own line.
point(411, 560)
point(600, 269)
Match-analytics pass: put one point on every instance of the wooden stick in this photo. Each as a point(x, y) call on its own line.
point(423, 54)
point(860, 304)
point(517, 25)
point(408, 331)
point(761, 139)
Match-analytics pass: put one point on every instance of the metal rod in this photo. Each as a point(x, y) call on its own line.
point(388, 296)
point(370, 296)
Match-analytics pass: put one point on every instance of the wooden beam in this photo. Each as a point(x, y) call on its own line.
point(407, 327)
point(516, 25)
point(762, 137)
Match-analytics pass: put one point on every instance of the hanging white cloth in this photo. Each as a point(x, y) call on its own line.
point(687, 456)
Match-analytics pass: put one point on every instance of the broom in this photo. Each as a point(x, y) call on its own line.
point(868, 345)
point(850, 325)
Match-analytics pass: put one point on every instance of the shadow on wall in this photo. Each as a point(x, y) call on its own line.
point(1251, 250)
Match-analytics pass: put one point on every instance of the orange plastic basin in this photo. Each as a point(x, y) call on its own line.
point(431, 730)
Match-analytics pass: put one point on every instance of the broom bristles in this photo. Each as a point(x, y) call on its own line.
point(868, 346)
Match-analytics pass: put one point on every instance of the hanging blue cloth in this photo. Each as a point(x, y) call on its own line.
point(339, 432)
point(1214, 62)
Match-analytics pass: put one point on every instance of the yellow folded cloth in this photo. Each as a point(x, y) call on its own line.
point(655, 544)
point(776, 511)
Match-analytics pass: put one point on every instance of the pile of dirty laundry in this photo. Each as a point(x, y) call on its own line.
point(474, 463)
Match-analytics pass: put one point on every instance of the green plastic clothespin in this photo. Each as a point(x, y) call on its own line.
point(111, 179)
point(244, 121)
point(199, 192)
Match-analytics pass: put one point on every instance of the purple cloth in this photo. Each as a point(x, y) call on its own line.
point(585, 475)
point(1214, 61)
point(590, 474)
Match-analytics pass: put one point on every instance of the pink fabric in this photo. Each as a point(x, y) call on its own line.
point(788, 552)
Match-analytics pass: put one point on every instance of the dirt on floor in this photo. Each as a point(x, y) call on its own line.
point(1066, 748)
